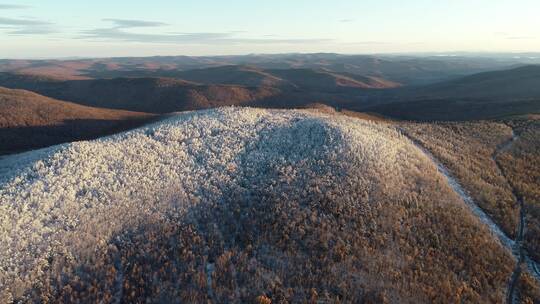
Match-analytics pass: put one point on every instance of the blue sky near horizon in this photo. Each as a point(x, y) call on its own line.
point(61, 28)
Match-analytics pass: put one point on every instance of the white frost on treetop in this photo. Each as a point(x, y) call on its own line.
point(50, 195)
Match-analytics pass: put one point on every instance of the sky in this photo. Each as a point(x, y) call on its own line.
point(99, 28)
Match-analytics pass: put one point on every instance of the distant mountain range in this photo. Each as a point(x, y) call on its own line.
point(407, 70)
point(419, 88)
point(304, 78)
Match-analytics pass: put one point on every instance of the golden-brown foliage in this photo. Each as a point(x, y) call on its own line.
point(467, 150)
point(473, 151)
point(521, 164)
point(529, 291)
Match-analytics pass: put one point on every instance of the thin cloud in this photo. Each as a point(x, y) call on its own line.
point(131, 23)
point(14, 22)
point(368, 43)
point(13, 26)
point(116, 34)
point(119, 32)
point(13, 6)
point(33, 31)
point(346, 20)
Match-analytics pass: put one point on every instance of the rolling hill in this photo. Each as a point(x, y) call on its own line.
point(518, 83)
point(151, 95)
point(455, 109)
point(407, 70)
point(231, 75)
point(165, 95)
point(226, 74)
point(487, 95)
point(243, 205)
point(30, 121)
point(320, 80)
point(306, 79)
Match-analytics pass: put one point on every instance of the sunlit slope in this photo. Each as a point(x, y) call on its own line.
point(30, 121)
point(234, 204)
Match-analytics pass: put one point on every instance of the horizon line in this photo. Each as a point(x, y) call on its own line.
point(427, 53)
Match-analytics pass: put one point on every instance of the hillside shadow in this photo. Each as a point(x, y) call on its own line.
point(21, 139)
point(463, 109)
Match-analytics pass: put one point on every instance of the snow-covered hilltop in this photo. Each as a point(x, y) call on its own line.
point(276, 187)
